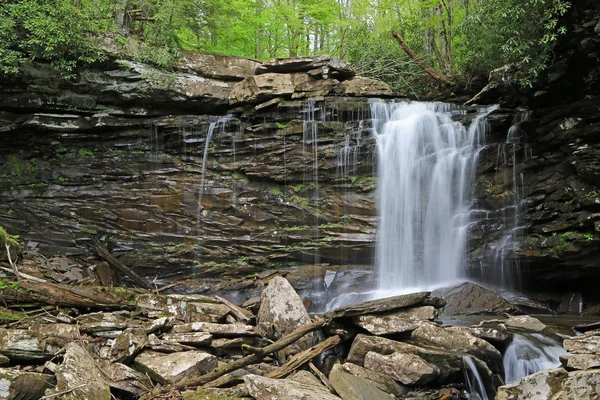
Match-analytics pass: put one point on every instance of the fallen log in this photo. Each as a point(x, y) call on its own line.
point(253, 358)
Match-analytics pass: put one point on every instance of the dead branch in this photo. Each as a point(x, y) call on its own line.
point(113, 262)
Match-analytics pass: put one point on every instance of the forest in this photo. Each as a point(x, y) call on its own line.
point(458, 39)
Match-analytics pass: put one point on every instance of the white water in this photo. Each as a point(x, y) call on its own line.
point(529, 354)
point(426, 163)
point(475, 385)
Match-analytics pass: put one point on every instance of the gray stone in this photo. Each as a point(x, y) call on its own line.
point(460, 340)
point(360, 86)
point(497, 335)
point(525, 322)
point(469, 298)
point(395, 322)
point(127, 379)
point(409, 369)
point(282, 312)
point(163, 346)
point(381, 381)
point(16, 384)
point(24, 345)
point(323, 66)
point(80, 376)
point(350, 387)
point(190, 338)
point(542, 385)
point(262, 388)
point(380, 305)
point(159, 325)
point(219, 330)
point(306, 378)
point(589, 343)
point(581, 361)
point(127, 345)
point(175, 367)
point(105, 324)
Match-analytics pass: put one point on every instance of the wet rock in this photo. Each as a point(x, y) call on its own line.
point(282, 311)
point(379, 306)
point(525, 322)
point(409, 369)
point(396, 321)
point(79, 376)
point(190, 338)
point(219, 330)
point(571, 303)
point(324, 66)
point(175, 367)
point(497, 335)
point(4, 361)
point(15, 384)
point(262, 388)
point(469, 298)
point(360, 86)
point(128, 345)
point(350, 387)
point(381, 381)
point(460, 340)
point(24, 345)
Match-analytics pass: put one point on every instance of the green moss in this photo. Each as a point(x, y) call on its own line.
point(83, 153)
point(7, 316)
point(276, 190)
point(9, 240)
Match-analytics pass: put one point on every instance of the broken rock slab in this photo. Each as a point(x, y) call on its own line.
point(525, 322)
point(219, 330)
point(396, 322)
point(15, 384)
point(127, 345)
point(79, 376)
point(409, 369)
point(350, 387)
point(190, 338)
point(175, 367)
point(24, 345)
point(381, 381)
point(469, 298)
point(324, 66)
point(262, 388)
point(380, 306)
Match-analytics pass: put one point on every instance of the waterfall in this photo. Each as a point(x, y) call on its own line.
point(425, 167)
point(529, 354)
point(475, 385)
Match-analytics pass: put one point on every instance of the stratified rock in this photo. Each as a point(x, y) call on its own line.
point(127, 345)
point(581, 361)
point(260, 88)
point(262, 388)
point(409, 369)
point(191, 308)
point(525, 322)
point(589, 343)
point(539, 386)
point(324, 66)
point(174, 367)
point(105, 324)
point(79, 376)
point(127, 379)
point(469, 298)
point(396, 321)
point(350, 387)
point(497, 335)
point(217, 66)
point(15, 384)
point(359, 86)
point(24, 345)
point(379, 306)
point(190, 338)
point(460, 340)
point(164, 346)
point(220, 330)
point(381, 381)
point(159, 325)
point(282, 312)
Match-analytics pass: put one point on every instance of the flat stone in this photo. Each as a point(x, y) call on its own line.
point(395, 322)
point(409, 369)
point(525, 322)
point(589, 343)
point(217, 65)
point(498, 336)
point(80, 376)
point(95, 324)
point(381, 381)
point(260, 88)
point(469, 298)
point(16, 384)
point(127, 345)
point(262, 388)
point(127, 379)
point(324, 66)
point(581, 361)
point(163, 346)
point(191, 338)
point(175, 367)
point(360, 86)
point(379, 306)
point(219, 330)
point(350, 387)
point(159, 325)
point(24, 345)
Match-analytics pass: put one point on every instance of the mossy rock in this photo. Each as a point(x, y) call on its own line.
point(11, 241)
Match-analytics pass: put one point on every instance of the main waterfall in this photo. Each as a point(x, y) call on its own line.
point(426, 163)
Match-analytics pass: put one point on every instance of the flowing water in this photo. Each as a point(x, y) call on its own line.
point(426, 164)
point(530, 353)
point(475, 386)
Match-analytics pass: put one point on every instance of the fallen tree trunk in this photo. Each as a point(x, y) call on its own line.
point(253, 358)
point(435, 75)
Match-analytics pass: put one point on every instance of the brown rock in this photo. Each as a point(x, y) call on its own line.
point(360, 86)
point(409, 369)
point(217, 66)
point(396, 321)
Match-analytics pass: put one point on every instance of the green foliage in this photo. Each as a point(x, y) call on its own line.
point(12, 241)
point(83, 153)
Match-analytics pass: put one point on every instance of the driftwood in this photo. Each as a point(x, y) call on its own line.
point(321, 376)
point(435, 75)
point(113, 262)
point(305, 356)
point(253, 358)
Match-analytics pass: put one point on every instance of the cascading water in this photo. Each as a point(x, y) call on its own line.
point(426, 163)
point(529, 354)
point(475, 386)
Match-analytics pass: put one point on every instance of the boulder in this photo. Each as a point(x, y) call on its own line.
point(260, 88)
point(190, 338)
point(282, 312)
point(79, 376)
point(395, 322)
point(322, 66)
point(589, 343)
point(220, 330)
point(191, 308)
point(24, 345)
point(127, 379)
point(175, 367)
point(409, 369)
point(350, 387)
point(581, 361)
point(381, 381)
point(16, 384)
point(553, 384)
point(496, 335)
point(359, 86)
point(262, 388)
point(127, 345)
point(469, 298)
point(525, 322)
point(217, 66)
point(459, 340)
